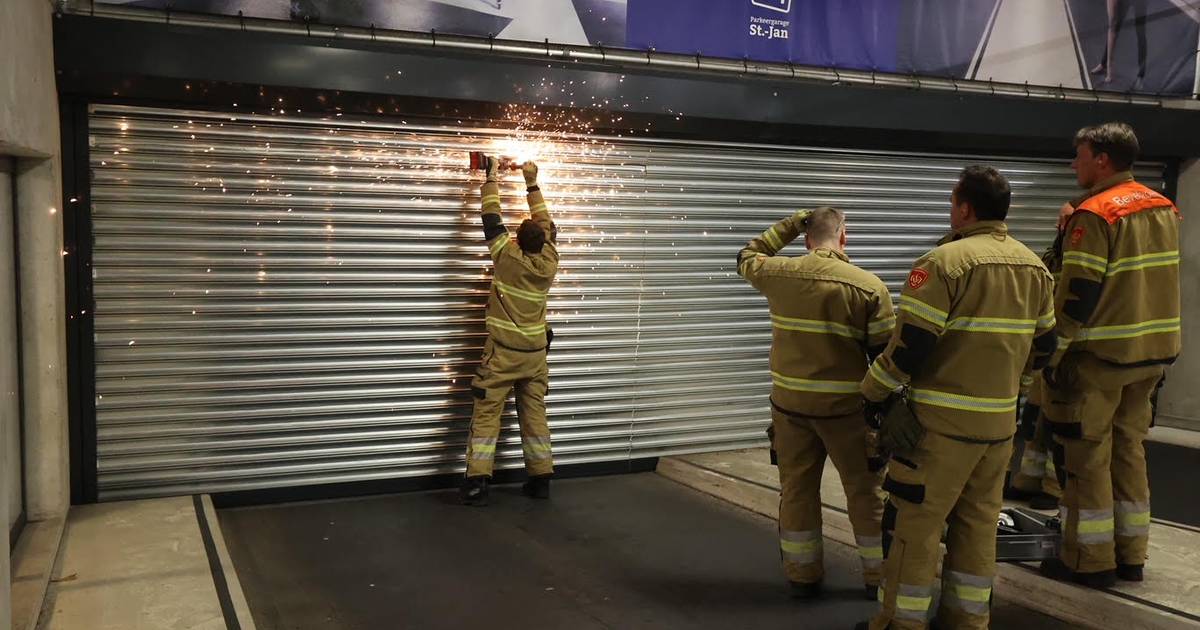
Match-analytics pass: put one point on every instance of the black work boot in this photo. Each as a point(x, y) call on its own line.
point(474, 491)
point(537, 487)
point(1130, 572)
point(806, 590)
point(1054, 568)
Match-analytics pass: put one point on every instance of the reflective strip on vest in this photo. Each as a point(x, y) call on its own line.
point(1132, 518)
point(497, 245)
point(528, 331)
point(1047, 321)
point(992, 325)
point(870, 550)
point(881, 375)
point(532, 296)
point(1128, 331)
point(801, 547)
point(815, 326)
point(963, 402)
point(536, 447)
point(967, 592)
point(934, 316)
point(1145, 261)
point(1063, 342)
point(1027, 380)
point(538, 207)
point(809, 385)
point(771, 236)
point(881, 325)
point(1086, 260)
point(491, 200)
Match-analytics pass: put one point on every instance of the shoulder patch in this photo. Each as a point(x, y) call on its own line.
point(917, 278)
point(1077, 234)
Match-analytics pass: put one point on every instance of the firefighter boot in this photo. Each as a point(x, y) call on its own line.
point(474, 491)
point(537, 487)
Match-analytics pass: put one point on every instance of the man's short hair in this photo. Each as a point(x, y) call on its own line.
point(531, 237)
point(986, 190)
point(1115, 139)
point(824, 224)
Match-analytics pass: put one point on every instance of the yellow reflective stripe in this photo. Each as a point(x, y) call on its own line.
point(1127, 331)
point(871, 553)
point(490, 199)
point(497, 245)
point(1098, 526)
point(1047, 321)
point(532, 296)
point(1133, 263)
point(881, 325)
point(1086, 260)
point(809, 385)
point(913, 603)
point(1135, 519)
point(771, 236)
point(1063, 342)
point(973, 593)
point(528, 331)
point(815, 326)
point(992, 325)
point(537, 207)
point(881, 375)
point(963, 402)
point(1027, 379)
point(484, 448)
point(934, 316)
point(798, 547)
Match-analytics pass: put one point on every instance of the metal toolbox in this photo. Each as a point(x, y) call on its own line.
point(1032, 536)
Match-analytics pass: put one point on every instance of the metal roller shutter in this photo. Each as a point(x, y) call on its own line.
point(296, 300)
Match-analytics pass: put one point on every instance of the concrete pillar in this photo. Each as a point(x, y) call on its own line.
point(1179, 402)
point(8, 375)
point(43, 338)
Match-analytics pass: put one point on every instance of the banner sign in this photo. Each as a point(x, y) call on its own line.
point(1042, 42)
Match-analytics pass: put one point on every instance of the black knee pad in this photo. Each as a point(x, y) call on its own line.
point(888, 525)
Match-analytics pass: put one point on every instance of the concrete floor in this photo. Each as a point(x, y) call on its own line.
point(634, 551)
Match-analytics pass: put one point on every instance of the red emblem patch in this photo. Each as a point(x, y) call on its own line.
point(917, 278)
point(1077, 235)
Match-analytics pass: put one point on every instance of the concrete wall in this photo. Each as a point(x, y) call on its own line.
point(1179, 403)
point(29, 130)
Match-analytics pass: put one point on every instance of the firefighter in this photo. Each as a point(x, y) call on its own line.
point(514, 355)
point(828, 316)
point(1035, 480)
point(975, 320)
point(1118, 310)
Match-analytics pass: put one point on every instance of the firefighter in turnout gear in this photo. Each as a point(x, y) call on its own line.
point(1035, 479)
point(829, 317)
point(514, 355)
point(976, 318)
point(1118, 310)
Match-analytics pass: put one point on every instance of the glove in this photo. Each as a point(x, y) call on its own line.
point(493, 169)
point(899, 429)
point(801, 218)
point(530, 171)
